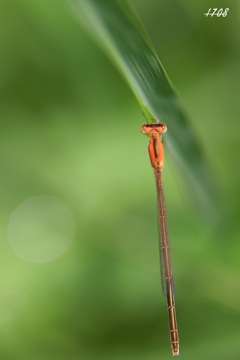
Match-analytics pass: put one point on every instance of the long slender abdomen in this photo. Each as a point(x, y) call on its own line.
point(166, 266)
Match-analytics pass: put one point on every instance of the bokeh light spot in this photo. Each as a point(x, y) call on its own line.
point(11, 304)
point(41, 229)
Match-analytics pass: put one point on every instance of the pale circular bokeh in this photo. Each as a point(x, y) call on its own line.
point(11, 304)
point(41, 229)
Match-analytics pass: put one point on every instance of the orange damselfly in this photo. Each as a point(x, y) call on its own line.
point(156, 152)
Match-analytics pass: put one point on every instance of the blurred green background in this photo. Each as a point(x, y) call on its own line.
point(70, 131)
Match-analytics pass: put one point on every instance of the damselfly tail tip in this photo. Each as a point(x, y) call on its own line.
point(175, 348)
point(175, 352)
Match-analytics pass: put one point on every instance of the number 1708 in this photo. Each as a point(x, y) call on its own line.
point(216, 12)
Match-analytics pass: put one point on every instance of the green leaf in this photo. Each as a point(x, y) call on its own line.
point(119, 32)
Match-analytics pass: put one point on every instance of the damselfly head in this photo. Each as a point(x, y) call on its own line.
point(148, 129)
